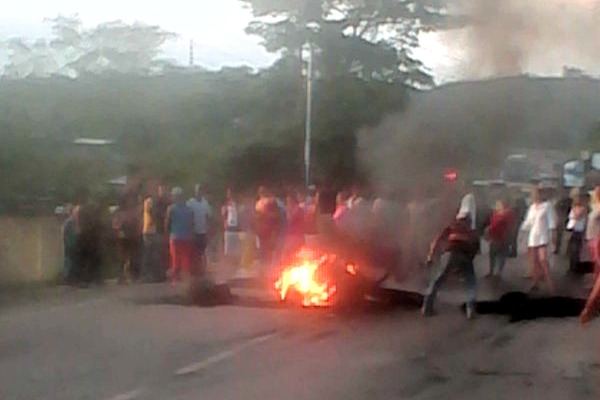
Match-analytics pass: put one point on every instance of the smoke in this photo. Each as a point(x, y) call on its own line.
point(472, 126)
point(509, 37)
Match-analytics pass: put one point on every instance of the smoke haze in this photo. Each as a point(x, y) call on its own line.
point(472, 126)
point(508, 37)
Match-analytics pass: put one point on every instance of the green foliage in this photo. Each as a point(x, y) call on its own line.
point(75, 51)
point(235, 126)
point(229, 127)
point(368, 39)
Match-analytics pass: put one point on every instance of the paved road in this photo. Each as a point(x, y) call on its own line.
point(139, 342)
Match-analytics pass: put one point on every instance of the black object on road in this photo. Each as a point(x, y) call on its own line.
point(203, 292)
point(519, 306)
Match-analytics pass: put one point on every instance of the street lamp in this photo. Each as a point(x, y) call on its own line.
point(312, 28)
point(308, 121)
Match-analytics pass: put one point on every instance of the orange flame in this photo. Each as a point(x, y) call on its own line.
point(303, 277)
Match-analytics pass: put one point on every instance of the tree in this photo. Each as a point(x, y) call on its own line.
point(74, 50)
point(371, 39)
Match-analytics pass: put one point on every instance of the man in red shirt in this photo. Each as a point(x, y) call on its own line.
point(462, 244)
point(498, 233)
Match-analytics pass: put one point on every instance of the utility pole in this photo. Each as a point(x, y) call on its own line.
point(308, 122)
point(191, 53)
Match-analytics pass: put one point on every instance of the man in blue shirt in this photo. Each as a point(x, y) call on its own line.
point(202, 214)
point(179, 224)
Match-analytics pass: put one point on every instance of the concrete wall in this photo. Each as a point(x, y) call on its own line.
point(30, 248)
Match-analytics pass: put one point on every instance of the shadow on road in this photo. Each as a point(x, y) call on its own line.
point(519, 306)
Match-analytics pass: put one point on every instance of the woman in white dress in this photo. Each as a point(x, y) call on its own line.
point(540, 222)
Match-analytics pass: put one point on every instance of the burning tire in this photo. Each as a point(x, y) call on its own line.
point(313, 279)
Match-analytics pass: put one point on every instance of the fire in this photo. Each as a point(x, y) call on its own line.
point(306, 276)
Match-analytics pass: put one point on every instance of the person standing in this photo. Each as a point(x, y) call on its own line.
point(153, 215)
point(126, 226)
point(179, 227)
point(267, 226)
point(325, 207)
point(540, 222)
point(562, 209)
point(70, 238)
point(308, 204)
point(294, 232)
point(248, 237)
point(520, 211)
point(232, 244)
point(576, 224)
point(89, 255)
point(162, 203)
point(498, 233)
point(202, 214)
point(462, 244)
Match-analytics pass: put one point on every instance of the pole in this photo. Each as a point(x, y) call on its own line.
point(308, 122)
point(191, 53)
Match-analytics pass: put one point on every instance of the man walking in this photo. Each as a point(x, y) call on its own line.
point(462, 245)
point(202, 213)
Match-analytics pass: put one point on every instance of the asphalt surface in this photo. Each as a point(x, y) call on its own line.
point(144, 342)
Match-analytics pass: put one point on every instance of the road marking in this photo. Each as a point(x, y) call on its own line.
point(131, 395)
point(222, 356)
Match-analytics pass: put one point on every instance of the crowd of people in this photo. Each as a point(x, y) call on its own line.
point(159, 236)
point(155, 234)
point(542, 225)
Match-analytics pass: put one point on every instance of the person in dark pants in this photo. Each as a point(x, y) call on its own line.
point(562, 209)
point(126, 224)
point(70, 242)
point(202, 221)
point(154, 264)
point(498, 233)
point(462, 244)
point(89, 243)
point(576, 224)
point(267, 224)
point(519, 211)
point(325, 207)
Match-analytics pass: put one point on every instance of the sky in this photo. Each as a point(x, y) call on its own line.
point(217, 29)
point(215, 26)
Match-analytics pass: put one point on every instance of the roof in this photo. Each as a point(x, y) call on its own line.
point(93, 142)
point(120, 181)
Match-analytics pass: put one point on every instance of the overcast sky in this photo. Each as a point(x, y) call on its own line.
point(217, 28)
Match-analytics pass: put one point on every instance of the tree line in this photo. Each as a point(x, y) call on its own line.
point(235, 127)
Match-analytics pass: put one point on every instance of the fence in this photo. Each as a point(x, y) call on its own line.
point(30, 248)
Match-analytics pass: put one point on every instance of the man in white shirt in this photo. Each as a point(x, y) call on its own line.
point(469, 207)
point(202, 214)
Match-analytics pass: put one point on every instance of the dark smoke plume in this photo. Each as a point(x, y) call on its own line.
point(472, 126)
point(509, 37)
